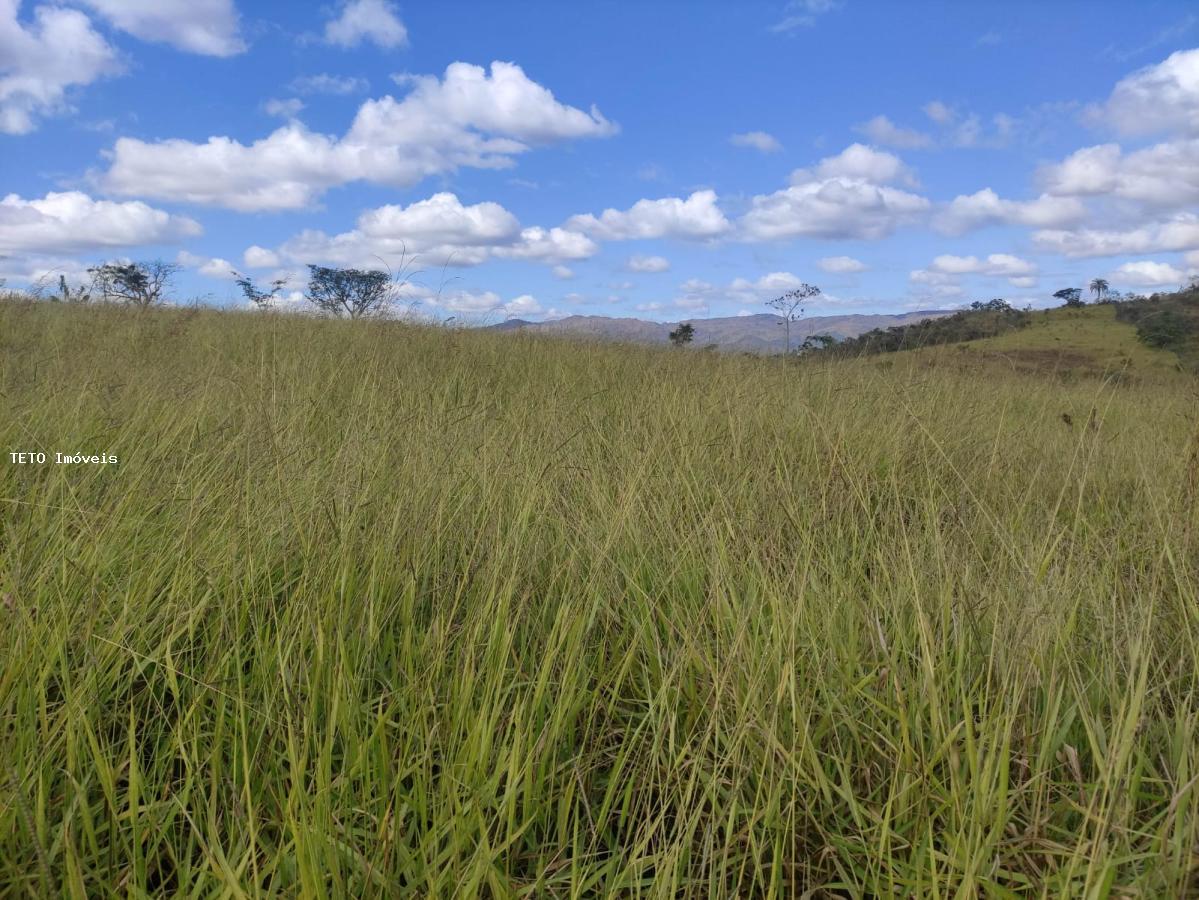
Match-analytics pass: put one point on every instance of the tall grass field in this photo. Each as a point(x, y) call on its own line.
point(367, 609)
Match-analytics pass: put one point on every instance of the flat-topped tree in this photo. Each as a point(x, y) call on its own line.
point(1069, 296)
point(790, 306)
point(351, 293)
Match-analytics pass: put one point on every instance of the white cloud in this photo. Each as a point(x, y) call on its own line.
point(1164, 176)
point(1145, 273)
point(860, 162)
point(548, 245)
point(772, 284)
point(758, 140)
point(802, 14)
point(211, 266)
point(647, 264)
point(483, 302)
point(696, 217)
point(284, 109)
point(995, 264)
point(946, 270)
point(367, 20)
point(841, 264)
point(436, 231)
point(324, 83)
point(882, 130)
point(1159, 98)
point(207, 27)
point(72, 222)
point(467, 119)
point(938, 112)
point(563, 273)
point(1192, 259)
point(41, 60)
point(257, 257)
point(845, 196)
point(985, 207)
point(1180, 232)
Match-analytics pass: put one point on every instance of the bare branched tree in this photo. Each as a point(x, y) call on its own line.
point(790, 306)
point(137, 283)
point(261, 299)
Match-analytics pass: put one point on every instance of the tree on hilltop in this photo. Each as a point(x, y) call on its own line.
point(790, 306)
point(137, 283)
point(683, 335)
point(1070, 296)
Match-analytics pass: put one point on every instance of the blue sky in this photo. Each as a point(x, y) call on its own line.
point(662, 159)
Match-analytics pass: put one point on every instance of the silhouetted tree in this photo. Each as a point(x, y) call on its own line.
point(1069, 296)
point(683, 335)
point(1098, 288)
point(349, 292)
point(261, 299)
point(790, 306)
point(138, 283)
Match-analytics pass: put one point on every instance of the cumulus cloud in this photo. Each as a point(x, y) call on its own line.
point(844, 196)
point(859, 162)
point(1145, 273)
point(1179, 232)
point(647, 264)
point(42, 59)
point(995, 264)
point(72, 222)
point(882, 130)
point(207, 27)
point(375, 21)
point(470, 118)
point(841, 265)
point(563, 273)
point(757, 140)
point(436, 231)
point(985, 207)
point(1164, 176)
point(256, 257)
point(1159, 98)
point(485, 302)
point(945, 271)
point(210, 266)
point(697, 217)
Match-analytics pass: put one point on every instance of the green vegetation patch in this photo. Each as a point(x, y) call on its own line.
point(373, 610)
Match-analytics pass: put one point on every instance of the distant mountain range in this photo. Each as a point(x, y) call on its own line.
point(763, 333)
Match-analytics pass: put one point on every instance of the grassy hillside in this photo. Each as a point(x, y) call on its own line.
point(374, 610)
point(1069, 342)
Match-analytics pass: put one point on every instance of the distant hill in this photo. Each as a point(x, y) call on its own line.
point(1135, 336)
point(762, 333)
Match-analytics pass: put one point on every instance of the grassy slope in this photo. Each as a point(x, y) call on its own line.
point(372, 609)
point(1085, 341)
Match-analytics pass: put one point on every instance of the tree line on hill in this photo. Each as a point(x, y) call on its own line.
point(338, 292)
point(1163, 320)
point(1167, 321)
